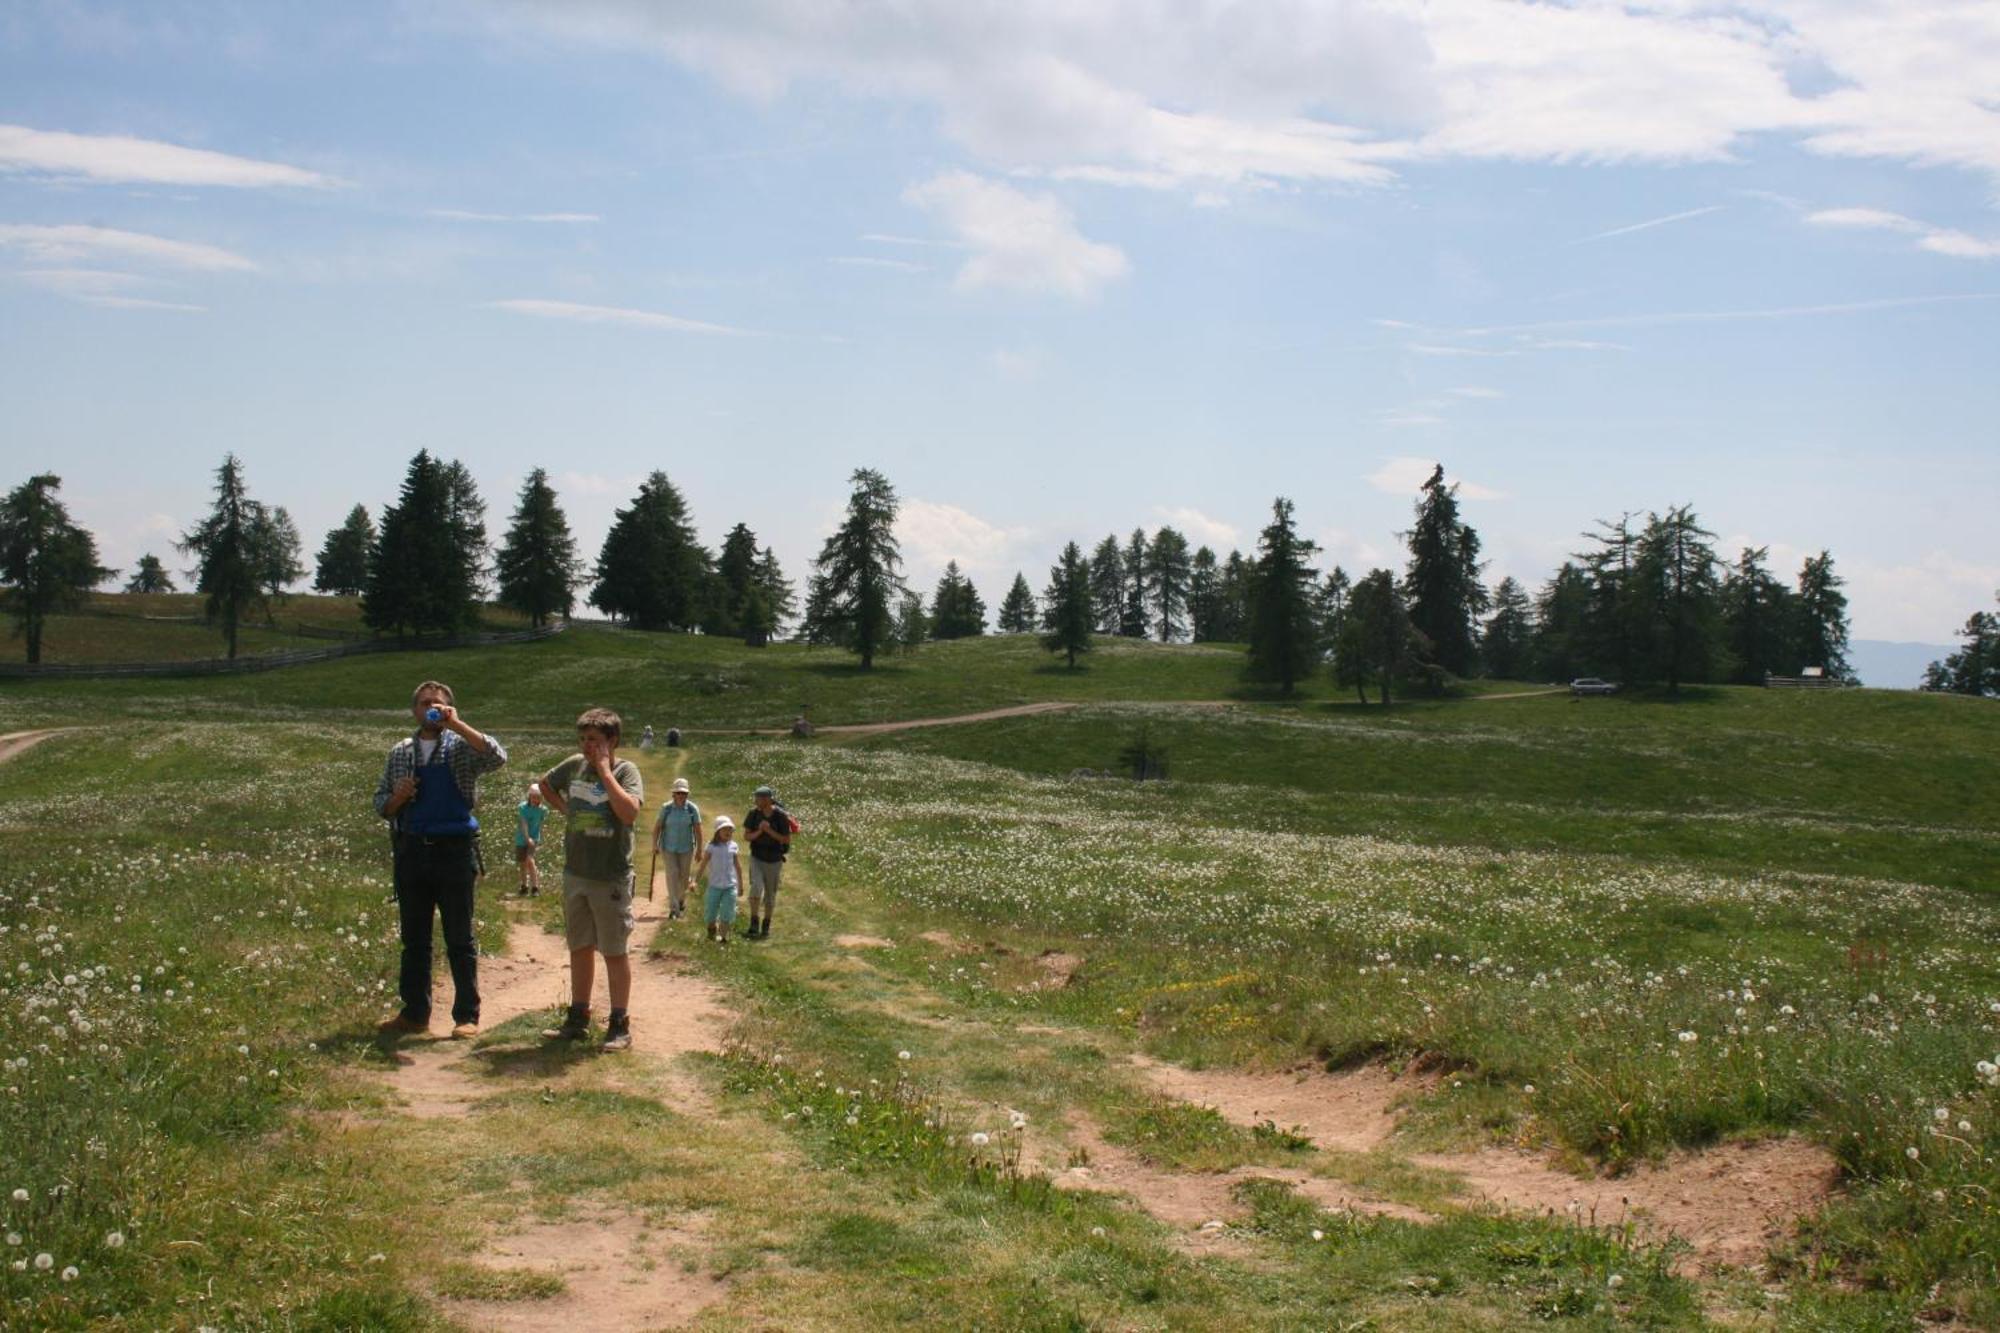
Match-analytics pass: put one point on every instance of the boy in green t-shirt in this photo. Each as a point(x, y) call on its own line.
point(600, 794)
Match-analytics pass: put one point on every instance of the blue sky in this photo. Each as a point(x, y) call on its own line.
point(1057, 269)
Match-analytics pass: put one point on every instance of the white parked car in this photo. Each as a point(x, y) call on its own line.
point(1583, 685)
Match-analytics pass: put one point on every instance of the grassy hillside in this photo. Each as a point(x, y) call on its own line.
point(1615, 930)
point(168, 627)
point(681, 680)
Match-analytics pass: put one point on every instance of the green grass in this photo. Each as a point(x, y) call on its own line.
point(171, 627)
point(1528, 892)
point(683, 680)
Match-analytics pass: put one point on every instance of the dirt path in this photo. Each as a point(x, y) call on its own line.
point(885, 728)
point(20, 742)
point(1522, 694)
point(606, 1255)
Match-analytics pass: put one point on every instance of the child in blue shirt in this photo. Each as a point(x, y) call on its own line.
point(528, 817)
point(725, 879)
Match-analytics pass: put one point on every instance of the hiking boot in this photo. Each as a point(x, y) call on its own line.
point(402, 1023)
point(575, 1026)
point(464, 1031)
point(618, 1036)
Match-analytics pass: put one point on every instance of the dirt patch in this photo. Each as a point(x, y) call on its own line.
point(1058, 970)
point(1193, 1202)
point(20, 742)
point(1728, 1203)
point(673, 1011)
point(944, 939)
point(1353, 1110)
point(618, 1273)
point(863, 942)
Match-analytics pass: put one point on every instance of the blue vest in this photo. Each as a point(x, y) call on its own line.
point(439, 808)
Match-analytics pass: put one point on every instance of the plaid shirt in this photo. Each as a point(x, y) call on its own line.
point(465, 763)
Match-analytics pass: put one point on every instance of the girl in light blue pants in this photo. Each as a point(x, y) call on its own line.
point(725, 879)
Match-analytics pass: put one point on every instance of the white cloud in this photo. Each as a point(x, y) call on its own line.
point(884, 238)
point(605, 314)
point(80, 281)
point(1649, 224)
point(1406, 476)
point(69, 242)
point(1924, 601)
point(118, 158)
point(932, 534)
point(1446, 349)
point(1199, 527)
point(140, 303)
point(1028, 242)
point(462, 215)
point(1475, 391)
point(1404, 417)
point(1937, 240)
point(1218, 95)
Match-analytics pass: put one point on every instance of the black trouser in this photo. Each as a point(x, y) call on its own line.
point(436, 875)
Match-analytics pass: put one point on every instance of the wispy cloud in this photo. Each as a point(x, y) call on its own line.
point(1648, 224)
point(618, 315)
point(1937, 240)
point(1028, 242)
point(1406, 476)
point(1475, 391)
point(869, 261)
point(464, 215)
point(1717, 316)
point(117, 158)
point(1206, 530)
point(1446, 349)
point(140, 303)
point(885, 238)
point(69, 242)
point(1407, 417)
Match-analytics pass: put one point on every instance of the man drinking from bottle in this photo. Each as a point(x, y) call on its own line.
point(428, 790)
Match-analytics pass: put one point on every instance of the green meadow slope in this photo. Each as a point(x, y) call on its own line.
point(1585, 937)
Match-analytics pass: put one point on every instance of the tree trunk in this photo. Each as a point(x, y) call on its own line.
point(1385, 689)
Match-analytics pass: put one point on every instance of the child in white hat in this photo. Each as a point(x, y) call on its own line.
point(725, 879)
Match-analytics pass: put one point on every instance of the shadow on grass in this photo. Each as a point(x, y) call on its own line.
point(517, 1048)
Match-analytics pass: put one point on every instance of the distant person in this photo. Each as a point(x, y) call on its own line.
point(725, 880)
point(768, 829)
point(646, 738)
point(529, 816)
point(600, 795)
point(677, 834)
point(428, 790)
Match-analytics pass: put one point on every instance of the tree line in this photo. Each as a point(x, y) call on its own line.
point(1645, 600)
point(1975, 667)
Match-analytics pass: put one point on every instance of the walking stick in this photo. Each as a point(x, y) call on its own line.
point(653, 871)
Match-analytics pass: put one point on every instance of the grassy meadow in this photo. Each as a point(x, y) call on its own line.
point(1612, 929)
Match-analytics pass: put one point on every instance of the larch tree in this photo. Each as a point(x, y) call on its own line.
point(1284, 639)
point(225, 548)
point(1506, 648)
point(537, 565)
point(1167, 584)
point(859, 574)
point(150, 576)
point(1107, 586)
point(1442, 584)
point(1067, 611)
point(1822, 617)
point(1018, 613)
point(47, 563)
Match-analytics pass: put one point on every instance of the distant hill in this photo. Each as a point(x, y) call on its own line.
point(1893, 666)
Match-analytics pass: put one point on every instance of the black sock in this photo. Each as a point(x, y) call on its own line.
point(617, 1016)
point(579, 1013)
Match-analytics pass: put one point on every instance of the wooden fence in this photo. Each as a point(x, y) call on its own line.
point(229, 666)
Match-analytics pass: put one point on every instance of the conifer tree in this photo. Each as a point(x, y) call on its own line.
point(342, 566)
point(913, 624)
point(1167, 579)
point(1232, 598)
point(859, 572)
point(1676, 584)
point(1107, 586)
point(1759, 621)
point(775, 603)
point(1332, 597)
point(1018, 613)
point(651, 571)
point(1442, 584)
point(1378, 641)
point(957, 611)
point(1132, 610)
point(1067, 611)
point(225, 548)
point(1283, 629)
point(150, 576)
point(537, 564)
point(1975, 668)
point(425, 568)
point(276, 541)
point(1562, 628)
point(1204, 592)
point(47, 563)
point(735, 583)
point(1506, 648)
point(1822, 617)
